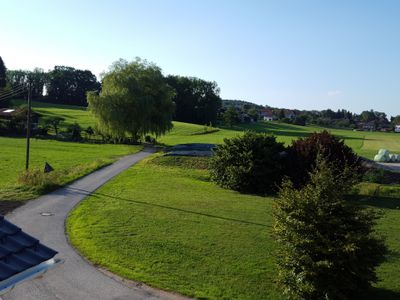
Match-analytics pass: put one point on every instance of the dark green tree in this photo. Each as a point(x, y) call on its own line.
point(196, 100)
point(134, 101)
point(53, 122)
point(253, 113)
point(67, 85)
point(231, 116)
point(251, 163)
point(3, 71)
point(328, 246)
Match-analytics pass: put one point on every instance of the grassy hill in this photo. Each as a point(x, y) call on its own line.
point(365, 144)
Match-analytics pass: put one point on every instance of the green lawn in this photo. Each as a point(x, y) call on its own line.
point(364, 143)
point(70, 113)
point(70, 161)
point(164, 223)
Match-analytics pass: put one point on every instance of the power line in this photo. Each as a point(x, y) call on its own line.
point(7, 93)
point(16, 87)
point(12, 95)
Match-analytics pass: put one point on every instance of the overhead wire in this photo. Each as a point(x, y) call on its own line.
point(13, 88)
point(11, 92)
point(4, 93)
point(15, 93)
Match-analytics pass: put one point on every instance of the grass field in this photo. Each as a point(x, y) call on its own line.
point(164, 223)
point(366, 144)
point(71, 114)
point(70, 161)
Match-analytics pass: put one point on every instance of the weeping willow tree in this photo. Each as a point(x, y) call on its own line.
point(134, 101)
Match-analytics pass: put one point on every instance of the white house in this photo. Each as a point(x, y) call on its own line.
point(397, 128)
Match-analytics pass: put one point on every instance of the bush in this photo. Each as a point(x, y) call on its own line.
point(303, 153)
point(252, 163)
point(74, 131)
point(328, 249)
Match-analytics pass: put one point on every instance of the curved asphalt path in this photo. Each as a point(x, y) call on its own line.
point(76, 278)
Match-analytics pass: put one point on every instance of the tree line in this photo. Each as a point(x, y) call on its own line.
point(196, 100)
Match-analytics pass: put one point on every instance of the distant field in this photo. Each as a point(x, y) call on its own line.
point(364, 143)
point(164, 223)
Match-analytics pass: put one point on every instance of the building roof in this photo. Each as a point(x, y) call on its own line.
point(20, 253)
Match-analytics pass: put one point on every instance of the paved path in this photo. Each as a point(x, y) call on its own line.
point(76, 278)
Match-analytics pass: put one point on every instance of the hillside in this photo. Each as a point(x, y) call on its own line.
point(364, 143)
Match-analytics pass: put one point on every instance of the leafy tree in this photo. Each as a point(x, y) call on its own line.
point(253, 113)
point(134, 101)
point(67, 85)
point(197, 101)
point(367, 116)
point(74, 131)
point(303, 153)
point(281, 114)
point(231, 116)
point(53, 122)
point(3, 70)
point(252, 163)
point(396, 120)
point(328, 246)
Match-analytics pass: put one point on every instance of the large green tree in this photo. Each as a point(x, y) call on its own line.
point(3, 70)
point(134, 101)
point(68, 85)
point(197, 101)
point(328, 245)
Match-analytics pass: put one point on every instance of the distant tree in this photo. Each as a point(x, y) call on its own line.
point(67, 85)
point(281, 114)
point(396, 120)
point(231, 116)
point(134, 101)
point(367, 116)
point(196, 100)
point(53, 122)
point(3, 78)
point(253, 113)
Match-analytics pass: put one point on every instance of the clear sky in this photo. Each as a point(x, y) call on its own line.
point(295, 54)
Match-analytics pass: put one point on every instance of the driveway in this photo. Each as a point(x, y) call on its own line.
point(77, 279)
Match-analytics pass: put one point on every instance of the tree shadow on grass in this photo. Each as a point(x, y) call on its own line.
point(379, 293)
point(98, 195)
point(377, 201)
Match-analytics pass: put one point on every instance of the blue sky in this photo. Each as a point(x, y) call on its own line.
point(293, 54)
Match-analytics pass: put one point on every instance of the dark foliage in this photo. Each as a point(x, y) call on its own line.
point(196, 100)
point(303, 153)
point(251, 163)
point(67, 85)
point(328, 247)
point(3, 78)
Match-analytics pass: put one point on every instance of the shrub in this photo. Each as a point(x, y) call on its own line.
point(303, 153)
point(252, 163)
point(74, 131)
point(328, 249)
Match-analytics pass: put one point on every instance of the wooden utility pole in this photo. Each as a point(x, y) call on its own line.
point(28, 127)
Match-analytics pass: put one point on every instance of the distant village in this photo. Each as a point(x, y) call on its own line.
point(371, 120)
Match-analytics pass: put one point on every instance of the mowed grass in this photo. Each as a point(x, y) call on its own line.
point(71, 114)
point(70, 161)
point(164, 223)
point(364, 143)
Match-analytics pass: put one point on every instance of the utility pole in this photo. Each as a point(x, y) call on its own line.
point(28, 126)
